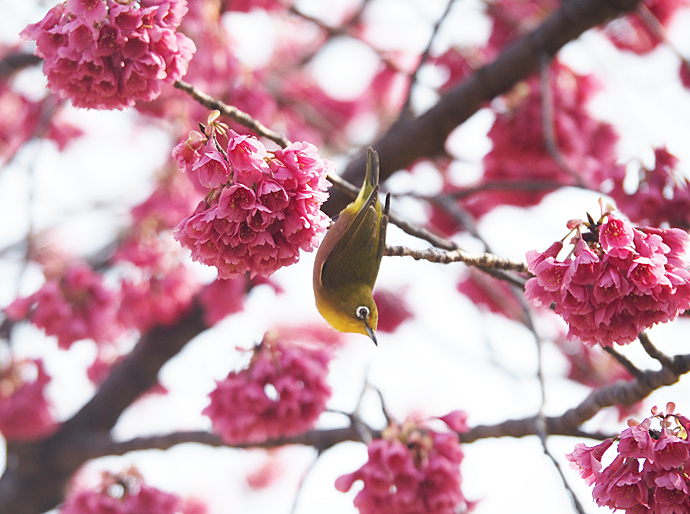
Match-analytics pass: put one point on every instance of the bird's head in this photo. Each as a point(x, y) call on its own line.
point(355, 311)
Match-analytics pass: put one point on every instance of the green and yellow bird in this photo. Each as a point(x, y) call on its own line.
point(349, 257)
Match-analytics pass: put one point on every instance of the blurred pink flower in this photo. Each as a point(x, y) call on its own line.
point(281, 393)
point(411, 470)
point(74, 306)
point(25, 412)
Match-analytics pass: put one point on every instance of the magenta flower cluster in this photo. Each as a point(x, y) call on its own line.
point(262, 207)
point(105, 54)
point(122, 494)
point(74, 306)
point(648, 474)
point(25, 412)
point(281, 393)
point(618, 281)
point(411, 470)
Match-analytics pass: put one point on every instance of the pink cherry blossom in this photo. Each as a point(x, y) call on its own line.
point(411, 470)
point(281, 393)
point(159, 298)
point(125, 493)
point(620, 281)
point(662, 194)
point(269, 210)
point(393, 309)
point(648, 473)
point(25, 412)
point(101, 54)
point(222, 297)
point(74, 306)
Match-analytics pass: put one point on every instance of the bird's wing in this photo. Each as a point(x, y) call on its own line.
point(357, 240)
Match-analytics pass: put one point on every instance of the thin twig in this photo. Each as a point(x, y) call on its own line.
point(623, 361)
point(233, 112)
point(302, 481)
point(485, 260)
point(423, 58)
point(653, 352)
point(407, 227)
point(573, 496)
point(547, 110)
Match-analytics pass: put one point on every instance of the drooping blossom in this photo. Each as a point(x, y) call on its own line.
point(648, 473)
point(637, 31)
point(412, 469)
point(223, 297)
point(25, 412)
point(618, 281)
point(159, 297)
point(662, 195)
point(22, 119)
point(265, 208)
point(592, 367)
point(76, 305)
point(267, 472)
point(124, 493)
point(104, 54)
point(172, 199)
point(393, 309)
point(495, 295)
point(281, 393)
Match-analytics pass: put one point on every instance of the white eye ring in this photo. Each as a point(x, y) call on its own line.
point(362, 312)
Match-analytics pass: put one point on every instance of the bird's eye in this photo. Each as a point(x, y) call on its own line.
point(362, 312)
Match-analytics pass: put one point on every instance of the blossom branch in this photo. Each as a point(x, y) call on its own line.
point(624, 361)
point(232, 112)
point(547, 114)
point(321, 440)
point(484, 260)
point(423, 58)
point(653, 352)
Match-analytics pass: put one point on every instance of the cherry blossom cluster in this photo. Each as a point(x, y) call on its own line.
point(618, 281)
point(22, 118)
point(125, 493)
point(648, 473)
point(262, 207)
point(281, 393)
point(74, 306)
point(662, 195)
point(25, 413)
point(161, 290)
point(105, 54)
point(412, 470)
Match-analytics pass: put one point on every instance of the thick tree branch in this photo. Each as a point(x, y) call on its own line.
point(38, 472)
point(424, 137)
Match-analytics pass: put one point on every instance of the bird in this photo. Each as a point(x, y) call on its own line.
point(348, 259)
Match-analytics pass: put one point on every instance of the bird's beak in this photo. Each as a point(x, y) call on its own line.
point(371, 333)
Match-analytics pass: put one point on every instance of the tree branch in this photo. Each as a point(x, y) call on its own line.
point(37, 472)
point(232, 112)
point(624, 393)
point(484, 260)
point(424, 137)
